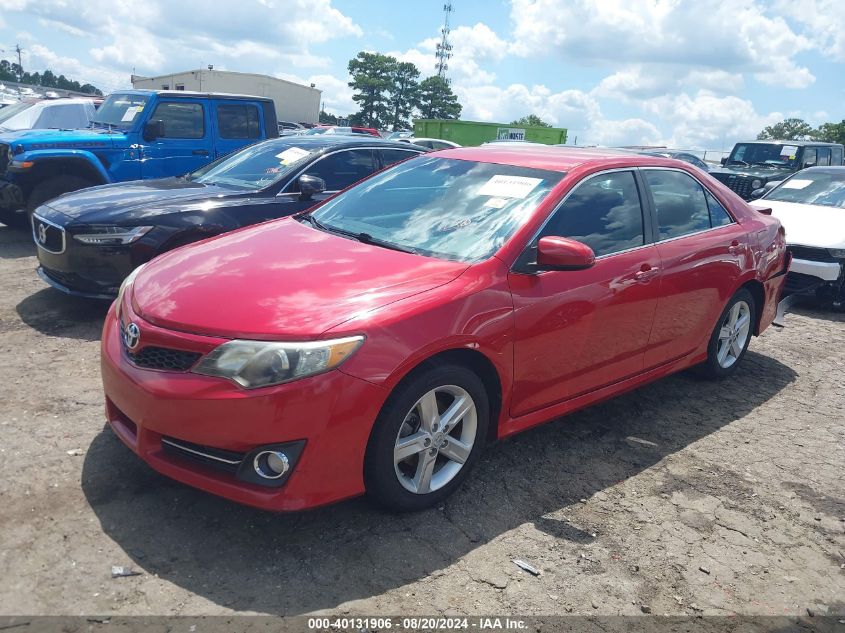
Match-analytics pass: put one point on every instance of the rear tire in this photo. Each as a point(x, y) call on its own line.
point(53, 188)
point(731, 336)
point(427, 438)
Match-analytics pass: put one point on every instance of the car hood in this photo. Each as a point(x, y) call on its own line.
point(61, 139)
point(808, 224)
point(279, 280)
point(763, 173)
point(131, 201)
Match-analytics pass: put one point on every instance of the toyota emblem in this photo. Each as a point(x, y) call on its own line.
point(131, 336)
point(42, 233)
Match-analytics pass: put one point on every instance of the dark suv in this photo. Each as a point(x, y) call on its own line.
point(752, 164)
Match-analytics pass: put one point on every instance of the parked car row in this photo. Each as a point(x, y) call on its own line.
point(303, 319)
point(376, 339)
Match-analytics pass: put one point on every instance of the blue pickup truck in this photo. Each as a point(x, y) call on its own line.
point(136, 134)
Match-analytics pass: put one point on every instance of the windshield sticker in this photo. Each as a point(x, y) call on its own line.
point(509, 186)
point(292, 155)
point(796, 184)
point(129, 114)
point(496, 203)
point(789, 150)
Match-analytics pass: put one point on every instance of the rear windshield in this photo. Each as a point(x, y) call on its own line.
point(454, 209)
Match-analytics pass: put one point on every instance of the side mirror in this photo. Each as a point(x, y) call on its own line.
point(808, 164)
point(153, 130)
point(309, 186)
point(762, 191)
point(561, 253)
point(724, 160)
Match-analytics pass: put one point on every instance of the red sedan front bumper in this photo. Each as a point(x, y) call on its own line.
point(333, 413)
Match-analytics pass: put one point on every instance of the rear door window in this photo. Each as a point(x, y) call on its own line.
point(679, 201)
point(823, 156)
point(238, 121)
point(392, 156)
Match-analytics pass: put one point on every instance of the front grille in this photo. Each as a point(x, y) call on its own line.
point(811, 253)
point(216, 458)
point(799, 283)
point(163, 358)
point(47, 235)
point(741, 185)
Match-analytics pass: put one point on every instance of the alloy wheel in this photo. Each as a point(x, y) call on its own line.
point(733, 334)
point(435, 439)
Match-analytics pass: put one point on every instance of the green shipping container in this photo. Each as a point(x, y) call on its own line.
point(471, 133)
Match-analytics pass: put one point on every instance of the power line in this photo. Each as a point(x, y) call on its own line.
point(444, 47)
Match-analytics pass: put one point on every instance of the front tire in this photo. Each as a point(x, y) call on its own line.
point(427, 438)
point(731, 336)
point(53, 188)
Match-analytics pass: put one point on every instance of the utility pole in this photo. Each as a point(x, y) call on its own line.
point(19, 50)
point(444, 48)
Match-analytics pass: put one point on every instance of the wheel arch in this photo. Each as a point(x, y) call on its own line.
point(474, 360)
point(79, 166)
point(758, 293)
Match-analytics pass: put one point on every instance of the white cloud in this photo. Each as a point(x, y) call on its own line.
point(707, 120)
point(731, 36)
point(824, 21)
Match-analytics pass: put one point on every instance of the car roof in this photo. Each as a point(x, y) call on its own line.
point(192, 94)
point(836, 169)
point(779, 142)
point(550, 157)
point(337, 141)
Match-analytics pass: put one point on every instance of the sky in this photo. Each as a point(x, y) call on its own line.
point(697, 74)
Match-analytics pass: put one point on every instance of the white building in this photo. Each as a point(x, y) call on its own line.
point(294, 102)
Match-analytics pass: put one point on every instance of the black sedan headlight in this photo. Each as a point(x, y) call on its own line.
point(113, 235)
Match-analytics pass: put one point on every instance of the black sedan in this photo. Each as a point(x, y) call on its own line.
point(90, 240)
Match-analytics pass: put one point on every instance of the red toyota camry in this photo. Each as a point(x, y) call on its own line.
point(377, 343)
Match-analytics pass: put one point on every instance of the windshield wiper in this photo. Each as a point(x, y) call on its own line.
point(364, 238)
point(740, 162)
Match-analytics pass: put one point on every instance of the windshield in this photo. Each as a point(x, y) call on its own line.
point(772, 154)
point(255, 167)
point(454, 209)
point(120, 110)
point(812, 187)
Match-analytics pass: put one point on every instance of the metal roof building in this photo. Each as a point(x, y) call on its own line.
point(294, 102)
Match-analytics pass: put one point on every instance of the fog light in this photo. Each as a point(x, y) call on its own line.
point(271, 464)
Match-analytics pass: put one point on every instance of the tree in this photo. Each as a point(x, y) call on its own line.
point(372, 80)
point(403, 94)
point(531, 119)
point(787, 130)
point(830, 132)
point(328, 119)
point(436, 99)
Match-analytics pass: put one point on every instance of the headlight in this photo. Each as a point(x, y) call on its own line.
point(126, 283)
point(254, 364)
point(839, 253)
point(756, 183)
point(113, 235)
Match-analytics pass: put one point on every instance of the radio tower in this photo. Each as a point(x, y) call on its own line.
point(444, 48)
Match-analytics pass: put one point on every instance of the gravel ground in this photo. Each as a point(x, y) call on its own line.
point(684, 497)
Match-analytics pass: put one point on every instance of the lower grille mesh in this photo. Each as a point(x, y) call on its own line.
point(164, 359)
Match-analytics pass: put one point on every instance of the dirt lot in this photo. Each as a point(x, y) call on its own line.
point(684, 497)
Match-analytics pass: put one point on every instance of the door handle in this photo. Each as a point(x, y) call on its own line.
point(646, 274)
point(200, 152)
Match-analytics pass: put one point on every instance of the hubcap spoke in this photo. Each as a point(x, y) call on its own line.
point(428, 411)
point(722, 354)
point(425, 468)
point(409, 445)
point(734, 315)
point(724, 333)
point(736, 348)
point(456, 450)
point(455, 413)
